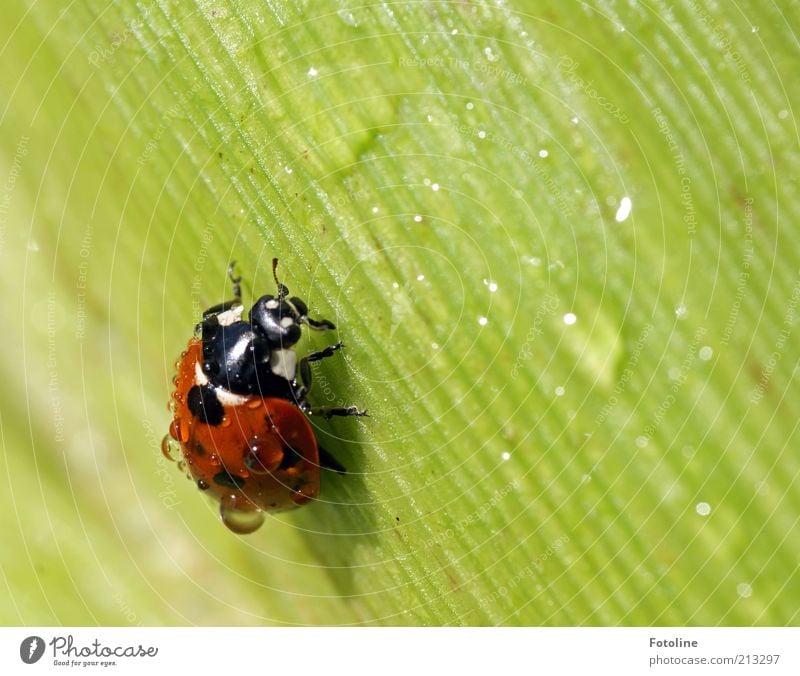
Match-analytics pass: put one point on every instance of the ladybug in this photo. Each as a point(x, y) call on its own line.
point(240, 408)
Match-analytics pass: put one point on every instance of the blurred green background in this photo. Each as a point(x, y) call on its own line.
point(558, 241)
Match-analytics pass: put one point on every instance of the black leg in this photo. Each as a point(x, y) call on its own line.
point(319, 324)
point(331, 412)
point(304, 365)
point(327, 461)
point(236, 281)
point(228, 304)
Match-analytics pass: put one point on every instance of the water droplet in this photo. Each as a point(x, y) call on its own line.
point(418, 218)
point(348, 17)
point(560, 391)
point(705, 353)
point(170, 448)
point(435, 187)
point(681, 312)
point(33, 245)
point(744, 590)
point(624, 210)
point(312, 72)
point(543, 153)
point(574, 120)
point(483, 321)
point(203, 485)
point(783, 114)
point(470, 105)
point(570, 318)
point(263, 457)
point(420, 277)
point(642, 441)
point(506, 455)
point(703, 508)
point(481, 134)
point(239, 521)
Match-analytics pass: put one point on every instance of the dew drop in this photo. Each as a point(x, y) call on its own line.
point(705, 353)
point(239, 521)
point(624, 210)
point(703, 508)
point(744, 590)
point(170, 448)
point(570, 318)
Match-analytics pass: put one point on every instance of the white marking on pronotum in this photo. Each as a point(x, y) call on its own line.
point(230, 316)
point(271, 304)
point(283, 363)
point(227, 398)
point(200, 378)
point(286, 322)
point(224, 397)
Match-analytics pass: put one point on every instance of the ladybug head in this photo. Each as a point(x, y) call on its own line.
point(278, 319)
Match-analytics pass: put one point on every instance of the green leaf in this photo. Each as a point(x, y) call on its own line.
point(580, 413)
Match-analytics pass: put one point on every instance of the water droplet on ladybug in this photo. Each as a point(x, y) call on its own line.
point(203, 485)
point(237, 520)
point(262, 456)
point(170, 447)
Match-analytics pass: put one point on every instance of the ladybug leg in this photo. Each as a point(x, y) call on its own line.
point(304, 365)
point(236, 281)
point(212, 318)
point(327, 461)
point(319, 324)
point(330, 412)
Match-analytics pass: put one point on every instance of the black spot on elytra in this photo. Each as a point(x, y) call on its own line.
point(290, 457)
point(203, 403)
point(225, 479)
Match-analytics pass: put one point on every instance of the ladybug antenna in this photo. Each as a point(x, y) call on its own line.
point(282, 290)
